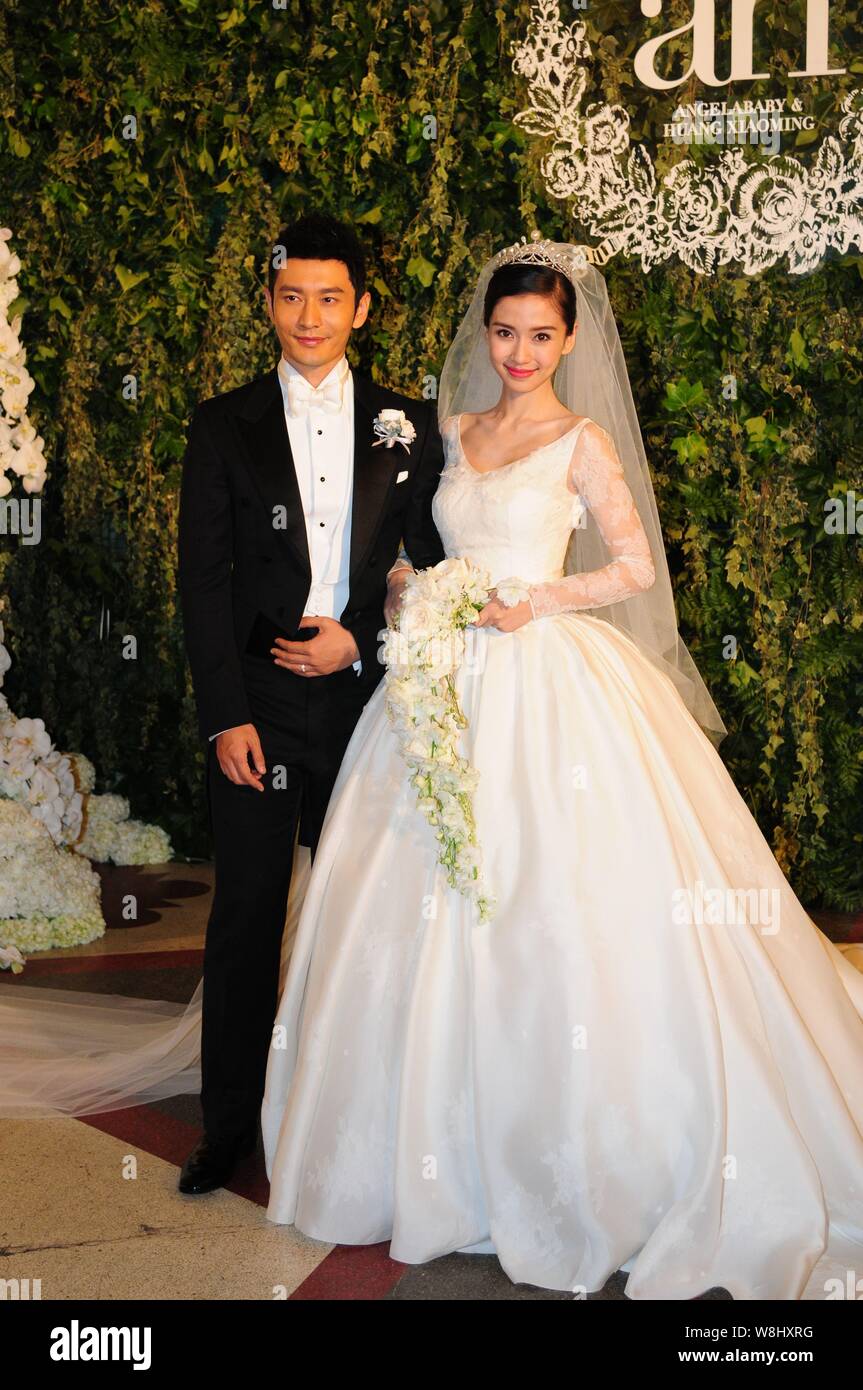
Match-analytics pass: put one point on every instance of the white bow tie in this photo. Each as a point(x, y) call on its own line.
point(301, 394)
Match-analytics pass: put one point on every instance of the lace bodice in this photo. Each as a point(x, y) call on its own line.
point(516, 521)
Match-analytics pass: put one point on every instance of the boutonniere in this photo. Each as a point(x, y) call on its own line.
point(394, 427)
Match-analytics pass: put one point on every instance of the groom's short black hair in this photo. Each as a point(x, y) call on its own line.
point(317, 236)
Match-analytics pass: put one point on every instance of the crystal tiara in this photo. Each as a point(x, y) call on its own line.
point(538, 251)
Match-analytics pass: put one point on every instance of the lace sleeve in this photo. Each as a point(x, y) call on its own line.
point(596, 473)
point(402, 562)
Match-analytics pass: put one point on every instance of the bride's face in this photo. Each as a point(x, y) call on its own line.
point(526, 339)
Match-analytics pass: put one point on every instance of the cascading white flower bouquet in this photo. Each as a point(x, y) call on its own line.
point(422, 652)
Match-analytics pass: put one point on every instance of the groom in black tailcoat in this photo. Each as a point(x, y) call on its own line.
point(292, 509)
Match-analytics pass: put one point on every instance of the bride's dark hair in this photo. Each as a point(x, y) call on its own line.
point(532, 279)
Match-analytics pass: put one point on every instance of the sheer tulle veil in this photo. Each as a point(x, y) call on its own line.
point(66, 1052)
point(591, 380)
point(63, 1052)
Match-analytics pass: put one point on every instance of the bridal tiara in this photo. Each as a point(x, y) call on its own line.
point(572, 263)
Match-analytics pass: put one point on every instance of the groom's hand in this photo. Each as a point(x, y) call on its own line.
point(331, 650)
point(233, 748)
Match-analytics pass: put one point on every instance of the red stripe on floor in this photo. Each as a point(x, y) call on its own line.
point(129, 960)
point(150, 1129)
point(347, 1272)
point(352, 1271)
point(173, 1140)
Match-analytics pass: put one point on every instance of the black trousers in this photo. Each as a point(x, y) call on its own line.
point(305, 724)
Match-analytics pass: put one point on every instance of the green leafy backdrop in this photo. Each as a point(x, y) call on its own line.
point(144, 258)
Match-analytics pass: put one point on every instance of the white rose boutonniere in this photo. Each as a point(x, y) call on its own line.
point(394, 427)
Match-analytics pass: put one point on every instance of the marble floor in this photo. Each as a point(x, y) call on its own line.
point(90, 1207)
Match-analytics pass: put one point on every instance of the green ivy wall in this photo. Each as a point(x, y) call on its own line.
point(145, 257)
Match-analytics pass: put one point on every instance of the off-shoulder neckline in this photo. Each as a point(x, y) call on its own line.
point(502, 467)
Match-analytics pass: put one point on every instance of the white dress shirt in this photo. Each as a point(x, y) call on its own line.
point(322, 444)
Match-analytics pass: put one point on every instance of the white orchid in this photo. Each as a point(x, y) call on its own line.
point(34, 772)
point(27, 740)
point(48, 895)
point(422, 655)
point(511, 592)
point(11, 959)
point(20, 445)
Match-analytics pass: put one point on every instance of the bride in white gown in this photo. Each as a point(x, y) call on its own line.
point(649, 1058)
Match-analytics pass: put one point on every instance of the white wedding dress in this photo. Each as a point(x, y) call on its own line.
point(597, 1078)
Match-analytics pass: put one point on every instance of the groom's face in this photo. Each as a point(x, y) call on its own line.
point(313, 310)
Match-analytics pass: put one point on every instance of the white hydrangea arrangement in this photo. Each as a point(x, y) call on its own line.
point(51, 824)
point(48, 896)
point(110, 836)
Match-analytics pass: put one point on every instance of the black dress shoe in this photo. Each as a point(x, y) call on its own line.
point(212, 1161)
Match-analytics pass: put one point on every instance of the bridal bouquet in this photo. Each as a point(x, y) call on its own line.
point(422, 654)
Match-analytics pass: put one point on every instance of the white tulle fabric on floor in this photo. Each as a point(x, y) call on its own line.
point(605, 1075)
point(68, 1052)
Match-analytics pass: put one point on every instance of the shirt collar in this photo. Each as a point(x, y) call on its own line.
point(339, 372)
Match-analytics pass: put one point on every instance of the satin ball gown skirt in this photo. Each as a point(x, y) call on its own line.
point(649, 1059)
